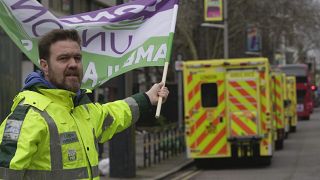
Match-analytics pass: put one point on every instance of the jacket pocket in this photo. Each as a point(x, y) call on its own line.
point(72, 151)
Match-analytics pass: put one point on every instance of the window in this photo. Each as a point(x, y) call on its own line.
point(209, 95)
point(301, 79)
point(301, 94)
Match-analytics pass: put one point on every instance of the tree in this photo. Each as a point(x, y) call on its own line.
point(289, 22)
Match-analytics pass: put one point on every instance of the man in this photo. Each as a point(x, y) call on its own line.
point(53, 129)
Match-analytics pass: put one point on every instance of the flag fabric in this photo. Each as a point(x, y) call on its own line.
point(114, 40)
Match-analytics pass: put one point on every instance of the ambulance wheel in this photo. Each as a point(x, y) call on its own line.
point(200, 163)
point(307, 117)
point(265, 161)
point(286, 135)
point(279, 144)
point(293, 129)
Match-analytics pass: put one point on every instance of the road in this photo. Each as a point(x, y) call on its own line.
point(299, 160)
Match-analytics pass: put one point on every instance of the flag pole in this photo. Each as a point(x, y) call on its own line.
point(166, 64)
point(164, 76)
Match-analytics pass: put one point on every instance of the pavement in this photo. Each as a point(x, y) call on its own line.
point(156, 171)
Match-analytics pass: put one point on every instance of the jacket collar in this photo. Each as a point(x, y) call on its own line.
point(59, 96)
point(37, 83)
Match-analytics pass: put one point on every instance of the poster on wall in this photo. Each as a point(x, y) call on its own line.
point(253, 39)
point(213, 10)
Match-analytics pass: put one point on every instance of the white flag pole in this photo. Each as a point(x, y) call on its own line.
point(164, 77)
point(166, 64)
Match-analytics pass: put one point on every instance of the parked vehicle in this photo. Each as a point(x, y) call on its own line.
point(305, 88)
point(227, 105)
point(278, 107)
point(292, 102)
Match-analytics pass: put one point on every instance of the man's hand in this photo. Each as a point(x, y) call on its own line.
point(156, 91)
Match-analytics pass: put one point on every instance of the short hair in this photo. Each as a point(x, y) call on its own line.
point(52, 37)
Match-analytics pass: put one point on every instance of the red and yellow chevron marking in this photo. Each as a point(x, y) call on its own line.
point(223, 150)
point(243, 100)
point(242, 126)
point(263, 103)
point(193, 98)
point(278, 117)
point(238, 104)
point(209, 142)
point(200, 139)
point(244, 92)
point(291, 83)
point(215, 141)
point(194, 91)
point(206, 132)
point(198, 123)
point(212, 143)
point(279, 102)
point(195, 107)
point(189, 78)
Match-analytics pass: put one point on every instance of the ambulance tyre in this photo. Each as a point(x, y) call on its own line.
point(200, 163)
point(286, 135)
point(307, 117)
point(293, 129)
point(279, 144)
point(265, 161)
point(207, 163)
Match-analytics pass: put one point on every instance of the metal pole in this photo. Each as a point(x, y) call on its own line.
point(180, 92)
point(180, 105)
point(225, 32)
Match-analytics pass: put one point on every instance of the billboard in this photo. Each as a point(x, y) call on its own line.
point(213, 10)
point(253, 39)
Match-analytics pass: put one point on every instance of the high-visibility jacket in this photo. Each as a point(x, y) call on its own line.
point(50, 136)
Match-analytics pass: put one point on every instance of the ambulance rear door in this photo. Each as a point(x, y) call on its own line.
point(204, 95)
point(243, 103)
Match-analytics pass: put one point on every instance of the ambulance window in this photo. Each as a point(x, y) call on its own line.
point(209, 95)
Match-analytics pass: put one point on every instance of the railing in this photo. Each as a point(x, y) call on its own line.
point(160, 143)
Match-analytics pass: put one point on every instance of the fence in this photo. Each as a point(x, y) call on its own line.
point(161, 143)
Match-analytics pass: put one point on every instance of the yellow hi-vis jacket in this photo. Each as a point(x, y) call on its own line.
point(47, 136)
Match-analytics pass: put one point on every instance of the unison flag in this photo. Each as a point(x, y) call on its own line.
point(114, 40)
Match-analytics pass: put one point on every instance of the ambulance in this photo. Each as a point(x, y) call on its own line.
point(292, 102)
point(278, 107)
point(227, 109)
point(286, 105)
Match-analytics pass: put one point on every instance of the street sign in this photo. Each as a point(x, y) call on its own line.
point(178, 65)
point(213, 10)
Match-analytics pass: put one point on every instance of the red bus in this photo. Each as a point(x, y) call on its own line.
point(304, 80)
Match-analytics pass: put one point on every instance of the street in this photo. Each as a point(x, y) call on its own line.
point(299, 160)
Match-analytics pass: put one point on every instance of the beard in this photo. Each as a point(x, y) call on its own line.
point(70, 79)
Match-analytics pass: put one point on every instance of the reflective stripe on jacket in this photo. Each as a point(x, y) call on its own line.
point(46, 136)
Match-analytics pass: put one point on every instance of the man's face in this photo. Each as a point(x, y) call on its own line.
point(64, 66)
